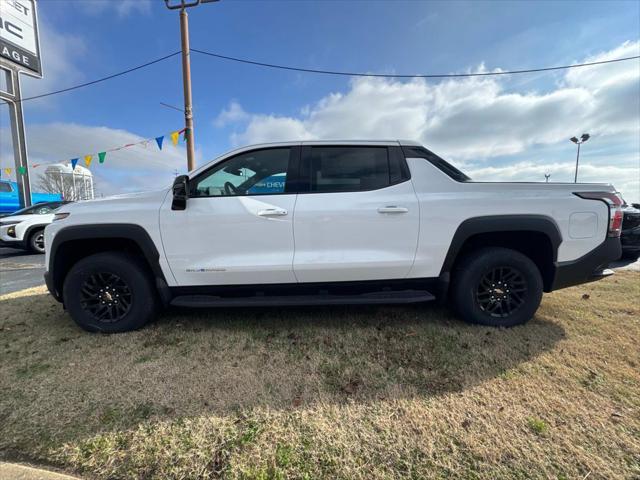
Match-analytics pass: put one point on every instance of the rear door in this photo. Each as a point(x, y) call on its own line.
point(356, 216)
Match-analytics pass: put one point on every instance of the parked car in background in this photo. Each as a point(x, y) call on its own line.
point(330, 223)
point(9, 201)
point(630, 236)
point(24, 229)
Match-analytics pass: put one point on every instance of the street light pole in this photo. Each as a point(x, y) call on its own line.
point(186, 74)
point(583, 138)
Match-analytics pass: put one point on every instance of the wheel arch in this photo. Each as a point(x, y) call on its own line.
point(75, 242)
point(31, 229)
point(536, 236)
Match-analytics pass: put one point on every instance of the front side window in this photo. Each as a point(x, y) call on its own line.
point(260, 172)
point(5, 187)
point(348, 169)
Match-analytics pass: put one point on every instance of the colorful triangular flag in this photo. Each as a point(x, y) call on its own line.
point(175, 136)
point(7, 171)
point(22, 170)
point(87, 159)
point(74, 162)
point(184, 134)
point(101, 156)
point(159, 141)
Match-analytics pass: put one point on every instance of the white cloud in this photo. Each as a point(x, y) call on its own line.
point(232, 114)
point(474, 119)
point(122, 8)
point(131, 169)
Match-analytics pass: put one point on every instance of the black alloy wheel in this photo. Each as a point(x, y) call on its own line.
point(501, 291)
point(110, 292)
point(496, 286)
point(106, 297)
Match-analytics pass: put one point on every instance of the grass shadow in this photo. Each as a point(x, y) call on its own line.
point(60, 383)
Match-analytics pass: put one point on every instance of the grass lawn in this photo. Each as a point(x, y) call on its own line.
point(366, 392)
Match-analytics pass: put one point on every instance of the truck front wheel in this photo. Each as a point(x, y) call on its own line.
point(498, 287)
point(109, 292)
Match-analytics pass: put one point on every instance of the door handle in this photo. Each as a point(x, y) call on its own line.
point(392, 209)
point(272, 212)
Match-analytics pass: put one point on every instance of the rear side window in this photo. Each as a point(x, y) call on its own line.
point(436, 161)
point(351, 169)
point(5, 187)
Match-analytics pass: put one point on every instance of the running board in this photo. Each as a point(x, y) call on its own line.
point(389, 297)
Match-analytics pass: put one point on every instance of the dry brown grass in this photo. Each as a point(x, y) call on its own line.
point(392, 392)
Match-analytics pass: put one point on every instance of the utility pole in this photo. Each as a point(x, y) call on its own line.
point(182, 5)
point(186, 81)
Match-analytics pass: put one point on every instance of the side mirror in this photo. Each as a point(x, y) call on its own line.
point(180, 192)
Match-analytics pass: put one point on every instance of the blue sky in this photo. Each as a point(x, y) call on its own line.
point(498, 129)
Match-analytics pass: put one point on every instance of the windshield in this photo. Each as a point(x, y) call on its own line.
point(38, 209)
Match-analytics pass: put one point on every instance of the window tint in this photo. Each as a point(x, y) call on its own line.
point(5, 187)
point(260, 172)
point(348, 169)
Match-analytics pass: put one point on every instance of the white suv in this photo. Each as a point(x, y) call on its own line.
point(24, 229)
point(329, 223)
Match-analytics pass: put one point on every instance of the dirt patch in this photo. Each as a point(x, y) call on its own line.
point(400, 392)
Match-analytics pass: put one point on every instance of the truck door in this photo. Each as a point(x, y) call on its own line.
point(358, 218)
point(237, 227)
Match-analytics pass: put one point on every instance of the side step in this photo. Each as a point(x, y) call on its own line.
point(390, 297)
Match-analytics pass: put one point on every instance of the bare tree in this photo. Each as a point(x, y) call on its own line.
point(52, 183)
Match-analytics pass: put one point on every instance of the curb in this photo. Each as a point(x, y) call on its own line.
point(13, 471)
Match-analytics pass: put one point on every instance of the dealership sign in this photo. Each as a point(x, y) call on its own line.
point(19, 44)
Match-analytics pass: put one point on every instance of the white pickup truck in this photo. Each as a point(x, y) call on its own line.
point(348, 222)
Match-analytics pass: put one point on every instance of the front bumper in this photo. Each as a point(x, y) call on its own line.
point(52, 290)
point(589, 267)
point(12, 243)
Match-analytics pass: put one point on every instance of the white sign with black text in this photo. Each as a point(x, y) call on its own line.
point(19, 35)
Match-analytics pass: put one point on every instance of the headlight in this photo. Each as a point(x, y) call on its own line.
point(9, 222)
point(60, 216)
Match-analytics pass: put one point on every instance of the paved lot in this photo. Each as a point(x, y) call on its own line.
point(19, 270)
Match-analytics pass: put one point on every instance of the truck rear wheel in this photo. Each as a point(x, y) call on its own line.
point(498, 287)
point(109, 292)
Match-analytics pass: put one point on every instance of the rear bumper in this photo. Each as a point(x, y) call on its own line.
point(589, 267)
point(631, 240)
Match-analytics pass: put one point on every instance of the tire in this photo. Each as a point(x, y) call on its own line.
point(485, 283)
point(36, 241)
point(110, 292)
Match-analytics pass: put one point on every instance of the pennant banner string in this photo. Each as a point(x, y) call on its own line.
point(175, 136)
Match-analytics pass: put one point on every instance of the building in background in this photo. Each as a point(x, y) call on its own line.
point(73, 184)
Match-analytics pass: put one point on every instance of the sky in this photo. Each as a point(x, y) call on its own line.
point(504, 128)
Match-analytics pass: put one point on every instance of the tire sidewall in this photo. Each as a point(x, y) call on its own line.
point(472, 270)
point(143, 306)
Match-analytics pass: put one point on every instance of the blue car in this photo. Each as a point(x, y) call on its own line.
point(9, 201)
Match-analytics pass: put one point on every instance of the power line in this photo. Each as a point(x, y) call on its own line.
point(384, 75)
point(325, 72)
point(108, 77)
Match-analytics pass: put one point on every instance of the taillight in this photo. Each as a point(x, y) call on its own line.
point(614, 202)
